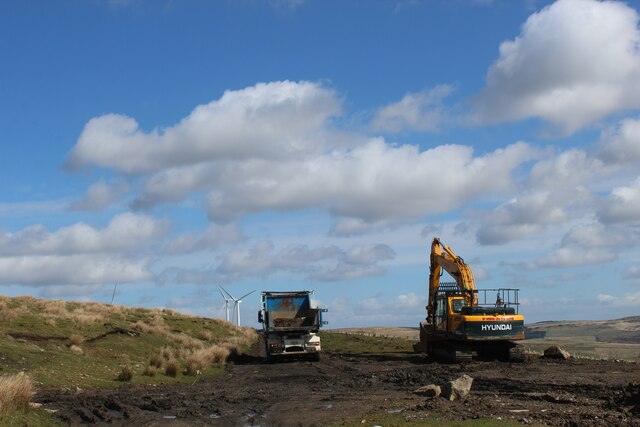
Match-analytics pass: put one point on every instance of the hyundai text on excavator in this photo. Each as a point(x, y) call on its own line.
point(462, 320)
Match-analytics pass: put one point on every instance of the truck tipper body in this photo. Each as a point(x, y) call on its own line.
point(290, 325)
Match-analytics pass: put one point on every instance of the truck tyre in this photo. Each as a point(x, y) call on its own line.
point(314, 357)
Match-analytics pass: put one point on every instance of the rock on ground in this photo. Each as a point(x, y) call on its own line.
point(430, 390)
point(555, 352)
point(458, 388)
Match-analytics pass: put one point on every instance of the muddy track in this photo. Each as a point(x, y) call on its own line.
point(339, 387)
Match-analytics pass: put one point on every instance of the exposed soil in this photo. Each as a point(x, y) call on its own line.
point(352, 387)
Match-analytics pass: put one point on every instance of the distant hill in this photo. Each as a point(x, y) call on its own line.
point(607, 339)
point(622, 331)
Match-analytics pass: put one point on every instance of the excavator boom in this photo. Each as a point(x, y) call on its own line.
point(443, 258)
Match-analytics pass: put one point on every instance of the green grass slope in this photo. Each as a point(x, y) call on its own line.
point(73, 344)
point(610, 339)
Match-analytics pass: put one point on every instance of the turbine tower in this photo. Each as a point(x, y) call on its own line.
point(237, 302)
point(227, 297)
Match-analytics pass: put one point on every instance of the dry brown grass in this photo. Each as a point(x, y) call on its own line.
point(75, 349)
point(15, 392)
point(156, 361)
point(149, 371)
point(76, 339)
point(82, 319)
point(167, 353)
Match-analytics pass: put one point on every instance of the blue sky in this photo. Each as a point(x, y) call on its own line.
point(168, 146)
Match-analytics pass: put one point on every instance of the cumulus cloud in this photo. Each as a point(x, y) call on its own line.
point(372, 182)
point(622, 206)
point(214, 237)
point(99, 196)
point(124, 232)
point(574, 62)
point(633, 275)
point(621, 144)
point(79, 254)
point(597, 235)
point(71, 270)
point(323, 263)
point(268, 120)
point(402, 309)
point(568, 257)
point(420, 111)
point(271, 147)
point(566, 170)
point(626, 300)
point(520, 217)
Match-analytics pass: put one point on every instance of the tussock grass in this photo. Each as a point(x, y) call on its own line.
point(76, 339)
point(171, 368)
point(126, 373)
point(149, 371)
point(68, 344)
point(156, 361)
point(15, 393)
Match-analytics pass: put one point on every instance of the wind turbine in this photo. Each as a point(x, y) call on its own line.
point(237, 303)
point(227, 297)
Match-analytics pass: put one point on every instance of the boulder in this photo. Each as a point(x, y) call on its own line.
point(430, 390)
point(555, 352)
point(458, 388)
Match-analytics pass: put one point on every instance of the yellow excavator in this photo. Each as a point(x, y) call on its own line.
point(462, 321)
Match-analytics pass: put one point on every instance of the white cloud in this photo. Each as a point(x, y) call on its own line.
point(575, 62)
point(420, 111)
point(627, 300)
point(323, 263)
point(523, 216)
point(71, 270)
point(125, 232)
point(373, 182)
point(567, 169)
point(268, 120)
point(633, 275)
point(270, 147)
point(569, 257)
point(99, 196)
point(214, 237)
point(80, 254)
point(401, 310)
point(622, 206)
point(621, 144)
point(597, 235)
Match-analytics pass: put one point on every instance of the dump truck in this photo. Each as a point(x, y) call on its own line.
point(462, 321)
point(290, 325)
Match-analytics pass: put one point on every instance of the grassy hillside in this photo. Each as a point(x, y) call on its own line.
point(610, 339)
point(623, 331)
point(72, 344)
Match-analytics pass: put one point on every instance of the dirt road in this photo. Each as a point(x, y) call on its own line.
point(349, 387)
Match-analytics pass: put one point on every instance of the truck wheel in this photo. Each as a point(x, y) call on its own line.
point(314, 357)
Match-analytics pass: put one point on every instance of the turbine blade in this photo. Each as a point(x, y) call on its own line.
point(245, 295)
point(226, 292)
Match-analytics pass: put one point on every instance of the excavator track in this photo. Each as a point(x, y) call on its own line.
point(447, 353)
point(517, 354)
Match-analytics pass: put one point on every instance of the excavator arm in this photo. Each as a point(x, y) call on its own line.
point(443, 257)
